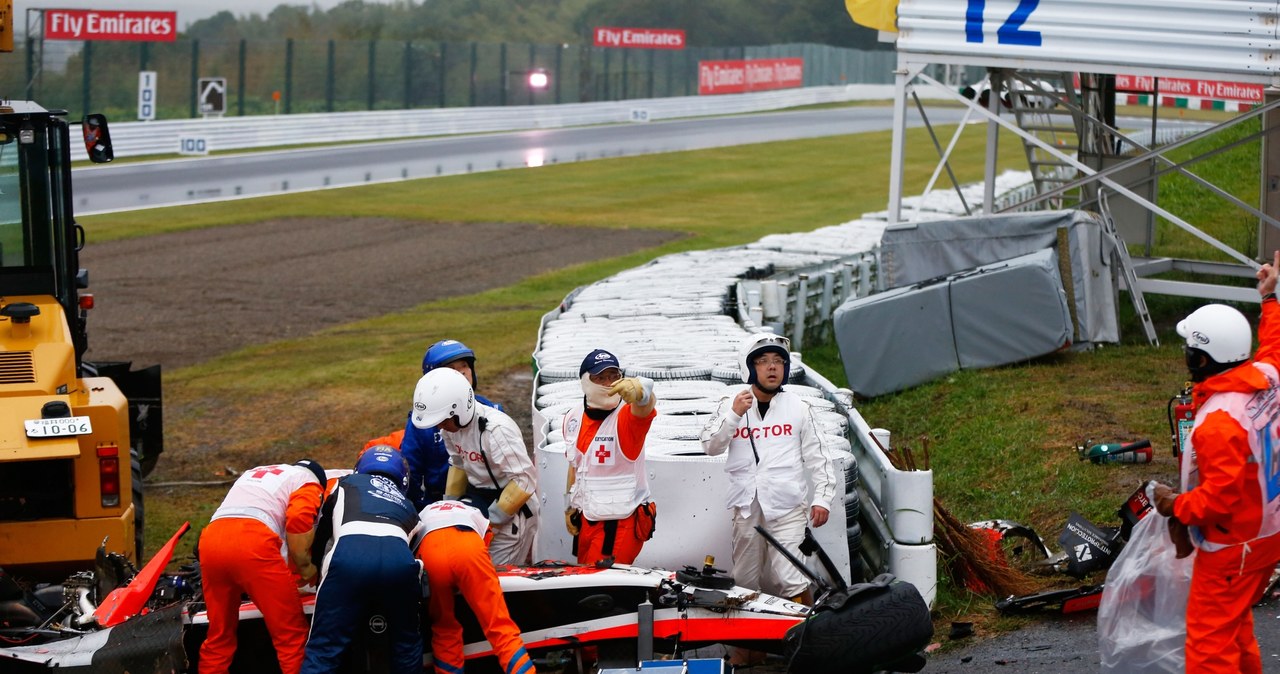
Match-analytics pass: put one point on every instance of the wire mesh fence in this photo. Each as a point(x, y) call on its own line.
point(301, 76)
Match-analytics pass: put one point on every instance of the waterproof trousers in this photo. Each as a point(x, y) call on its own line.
point(1224, 587)
point(596, 540)
point(456, 560)
point(756, 564)
point(239, 555)
point(366, 575)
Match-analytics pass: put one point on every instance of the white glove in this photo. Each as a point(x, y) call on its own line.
point(498, 515)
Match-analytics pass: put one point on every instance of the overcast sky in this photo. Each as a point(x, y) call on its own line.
point(188, 10)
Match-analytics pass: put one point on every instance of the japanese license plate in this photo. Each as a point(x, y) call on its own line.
point(52, 428)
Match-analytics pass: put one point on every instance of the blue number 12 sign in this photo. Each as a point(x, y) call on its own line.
point(1010, 32)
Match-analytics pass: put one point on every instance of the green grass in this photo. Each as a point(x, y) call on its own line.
point(1001, 441)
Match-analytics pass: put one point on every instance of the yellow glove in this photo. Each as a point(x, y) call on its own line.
point(634, 390)
point(508, 503)
point(572, 520)
point(455, 484)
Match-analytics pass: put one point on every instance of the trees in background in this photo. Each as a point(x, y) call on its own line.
point(707, 23)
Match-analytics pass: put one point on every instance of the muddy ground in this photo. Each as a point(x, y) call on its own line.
point(182, 298)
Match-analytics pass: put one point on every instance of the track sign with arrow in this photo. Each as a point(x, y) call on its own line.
point(213, 95)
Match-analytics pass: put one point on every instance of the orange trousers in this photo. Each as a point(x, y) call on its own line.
point(456, 559)
point(239, 555)
point(593, 536)
point(1220, 634)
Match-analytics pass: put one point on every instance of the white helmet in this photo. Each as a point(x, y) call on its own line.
point(757, 344)
point(440, 394)
point(1220, 331)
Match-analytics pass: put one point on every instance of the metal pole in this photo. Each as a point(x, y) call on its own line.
point(896, 152)
point(87, 77)
point(195, 73)
point(408, 82)
point(31, 51)
point(240, 87)
point(995, 86)
point(472, 99)
point(373, 64)
point(605, 71)
point(328, 79)
point(626, 73)
point(532, 56)
point(288, 76)
point(502, 68)
point(650, 73)
point(802, 306)
point(559, 69)
point(444, 71)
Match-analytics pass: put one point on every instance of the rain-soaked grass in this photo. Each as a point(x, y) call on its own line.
point(1001, 441)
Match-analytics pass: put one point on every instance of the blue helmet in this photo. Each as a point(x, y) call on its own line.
point(446, 351)
point(385, 461)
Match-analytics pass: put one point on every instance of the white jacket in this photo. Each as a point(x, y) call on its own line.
point(791, 454)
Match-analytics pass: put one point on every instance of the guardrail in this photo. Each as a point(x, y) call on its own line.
point(134, 139)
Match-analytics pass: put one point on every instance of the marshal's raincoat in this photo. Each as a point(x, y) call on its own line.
point(1231, 502)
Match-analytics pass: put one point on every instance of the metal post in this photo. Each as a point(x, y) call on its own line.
point(896, 152)
point(472, 78)
point(373, 65)
point(240, 86)
point(828, 292)
point(802, 297)
point(846, 281)
point(650, 73)
point(330, 72)
point(667, 56)
point(532, 56)
point(444, 71)
point(996, 81)
point(288, 76)
point(502, 69)
point(86, 77)
point(559, 69)
point(408, 80)
point(195, 72)
point(31, 52)
point(605, 71)
point(626, 72)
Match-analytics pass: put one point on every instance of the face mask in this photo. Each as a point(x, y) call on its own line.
point(598, 397)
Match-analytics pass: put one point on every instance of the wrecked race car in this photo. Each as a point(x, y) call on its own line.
point(116, 618)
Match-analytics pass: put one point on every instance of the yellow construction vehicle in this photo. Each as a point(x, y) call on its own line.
point(75, 437)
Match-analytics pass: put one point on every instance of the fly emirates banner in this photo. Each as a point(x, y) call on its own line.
point(106, 24)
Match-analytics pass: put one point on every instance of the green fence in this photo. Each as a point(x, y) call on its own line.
point(297, 76)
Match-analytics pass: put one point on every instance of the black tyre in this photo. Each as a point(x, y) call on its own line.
point(870, 632)
point(853, 533)
point(139, 508)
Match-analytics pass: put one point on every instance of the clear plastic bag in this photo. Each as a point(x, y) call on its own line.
point(1142, 620)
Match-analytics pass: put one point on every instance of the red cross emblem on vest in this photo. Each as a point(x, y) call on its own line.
point(263, 472)
point(602, 455)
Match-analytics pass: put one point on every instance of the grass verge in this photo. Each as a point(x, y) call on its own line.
point(1001, 440)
